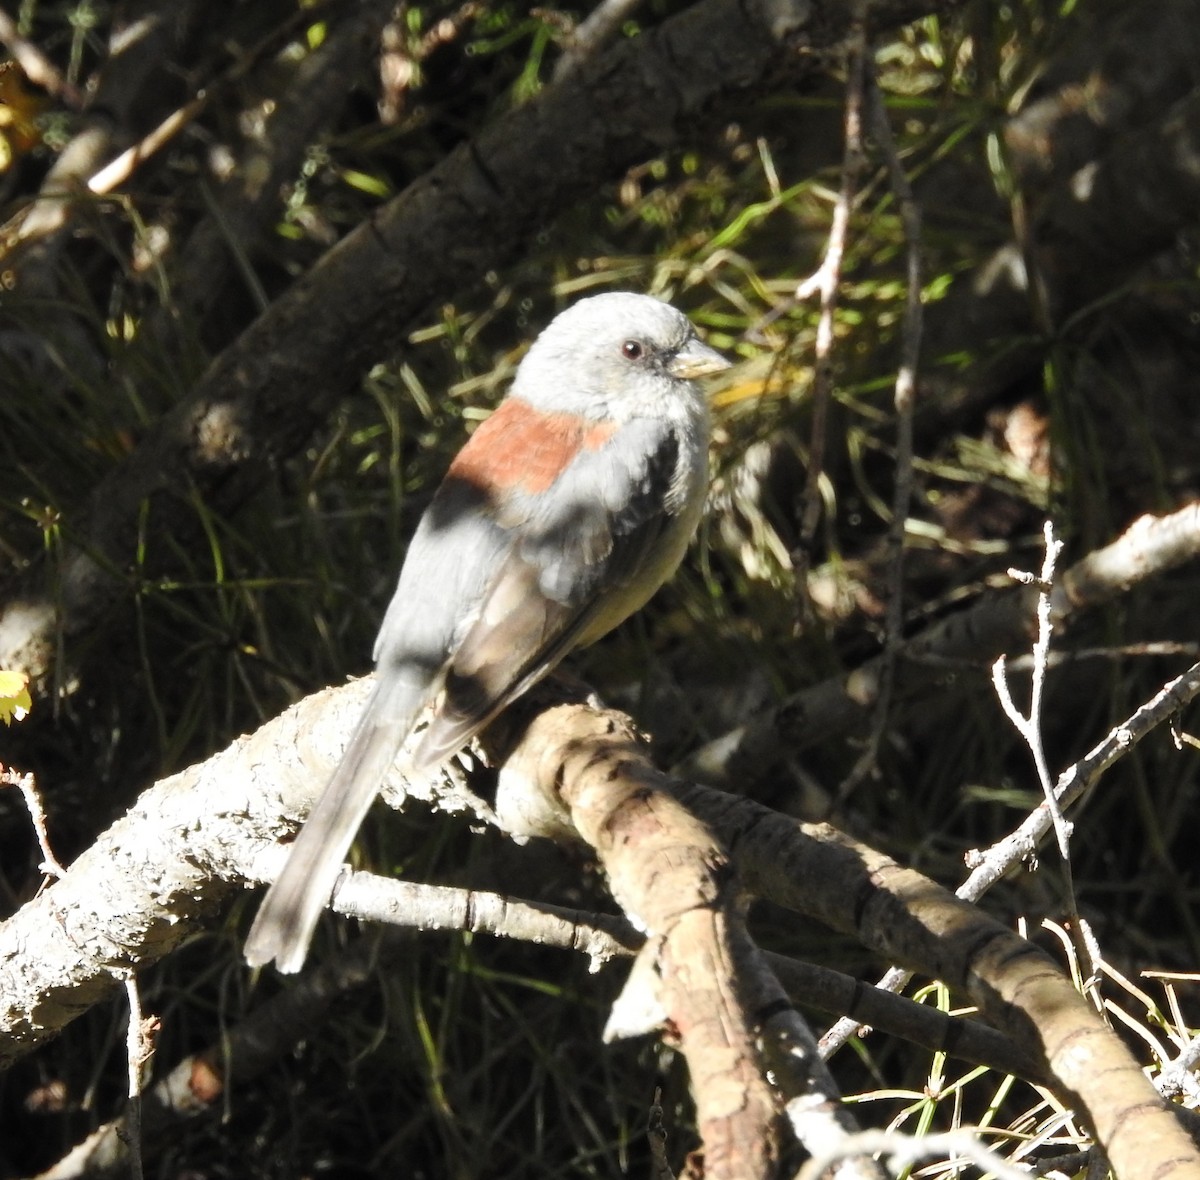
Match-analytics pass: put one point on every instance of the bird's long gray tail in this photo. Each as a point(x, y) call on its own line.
point(288, 915)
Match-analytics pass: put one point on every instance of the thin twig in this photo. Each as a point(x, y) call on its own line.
point(656, 1137)
point(894, 980)
point(37, 815)
point(602, 24)
point(905, 402)
point(1178, 1078)
point(119, 170)
point(826, 281)
point(49, 212)
point(987, 867)
point(1021, 845)
point(37, 67)
point(903, 1151)
point(1030, 727)
point(139, 1047)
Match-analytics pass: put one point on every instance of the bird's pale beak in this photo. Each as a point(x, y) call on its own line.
point(696, 360)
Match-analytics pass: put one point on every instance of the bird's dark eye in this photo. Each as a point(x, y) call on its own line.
point(632, 350)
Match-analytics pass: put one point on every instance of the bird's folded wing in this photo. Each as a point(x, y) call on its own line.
point(587, 557)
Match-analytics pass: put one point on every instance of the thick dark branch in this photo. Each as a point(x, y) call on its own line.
point(263, 397)
point(904, 916)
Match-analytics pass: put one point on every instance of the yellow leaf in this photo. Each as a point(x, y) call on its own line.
point(15, 701)
point(19, 111)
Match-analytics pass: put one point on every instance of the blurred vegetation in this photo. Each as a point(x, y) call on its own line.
point(464, 1057)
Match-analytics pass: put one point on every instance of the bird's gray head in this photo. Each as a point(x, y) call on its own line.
point(615, 355)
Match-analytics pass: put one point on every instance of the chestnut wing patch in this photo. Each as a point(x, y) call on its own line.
point(521, 449)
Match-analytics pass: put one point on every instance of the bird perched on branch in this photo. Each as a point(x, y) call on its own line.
point(562, 515)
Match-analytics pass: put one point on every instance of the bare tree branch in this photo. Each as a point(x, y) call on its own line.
point(162, 871)
point(970, 638)
point(900, 913)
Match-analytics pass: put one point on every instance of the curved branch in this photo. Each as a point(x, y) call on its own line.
point(906, 917)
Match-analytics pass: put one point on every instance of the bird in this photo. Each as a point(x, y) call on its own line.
point(565, 511)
